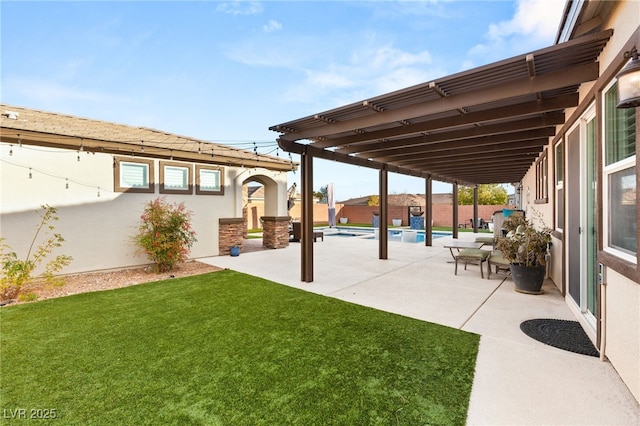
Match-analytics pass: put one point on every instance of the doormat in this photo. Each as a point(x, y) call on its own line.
point(562, 334)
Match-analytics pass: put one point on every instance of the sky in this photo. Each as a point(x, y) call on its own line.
point(225, 71)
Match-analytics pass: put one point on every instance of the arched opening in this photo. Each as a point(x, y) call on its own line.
point(264, 206)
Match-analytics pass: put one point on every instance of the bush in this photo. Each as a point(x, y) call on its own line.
point(17, 274)
point(165, 234)
point(524, 244)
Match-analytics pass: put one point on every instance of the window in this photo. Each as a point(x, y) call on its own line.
point(133, 175)
point(209, 180)
point(175, 178)
point(619, 177)
point(559, 160)
point(541, 179)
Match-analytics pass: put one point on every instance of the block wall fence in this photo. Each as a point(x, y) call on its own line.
point(442, 213)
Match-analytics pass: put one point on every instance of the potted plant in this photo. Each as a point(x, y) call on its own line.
point(526, 248)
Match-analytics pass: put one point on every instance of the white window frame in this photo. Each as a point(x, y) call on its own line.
point(204, 190)
point(120, 186)
point(607, 171)
point(187, 178)
point(559, 183)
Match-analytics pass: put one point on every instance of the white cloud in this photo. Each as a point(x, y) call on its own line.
point(367, 72)
point(42, 91)
point(272, 26)
point(238, 7)
point(533, 26)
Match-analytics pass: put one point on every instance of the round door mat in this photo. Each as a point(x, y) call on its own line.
point(562, 334)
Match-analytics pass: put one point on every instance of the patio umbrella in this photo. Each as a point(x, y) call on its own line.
point(332, 205)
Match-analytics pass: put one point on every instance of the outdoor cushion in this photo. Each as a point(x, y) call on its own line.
point(472, 255)
point(496, 259)
point(485, 240)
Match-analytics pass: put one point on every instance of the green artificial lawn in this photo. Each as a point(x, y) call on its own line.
point(228, 349)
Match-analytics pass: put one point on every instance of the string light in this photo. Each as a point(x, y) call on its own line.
point(78, 155)
point(66, 185)
point(98, 191)
point(30, 175)
point(19, 141)
point(141, 146)
point(10, 150)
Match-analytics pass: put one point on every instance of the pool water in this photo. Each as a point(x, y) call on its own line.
point(403, 235)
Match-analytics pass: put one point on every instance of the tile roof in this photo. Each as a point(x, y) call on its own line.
point(41, 128)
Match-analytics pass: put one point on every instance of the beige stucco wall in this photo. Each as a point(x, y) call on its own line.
point(622, 328)
point(621, 296)
point(96, 228)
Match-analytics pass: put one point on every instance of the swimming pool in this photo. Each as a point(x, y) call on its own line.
point(402, 235)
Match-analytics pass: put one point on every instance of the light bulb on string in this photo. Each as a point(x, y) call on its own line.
point(78, 155)
point(30, 174)
point(19, 141)
point(66, 185)
point(10, 150)
point(98, 191)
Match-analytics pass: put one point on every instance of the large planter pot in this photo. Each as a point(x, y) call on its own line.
point(396, 222)
point(344, 220)
point(528, 279)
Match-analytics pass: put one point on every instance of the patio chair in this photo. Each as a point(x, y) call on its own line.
point(295, 233)
point(498, 261)
point(471, 256)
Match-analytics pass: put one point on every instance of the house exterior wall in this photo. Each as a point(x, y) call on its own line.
point(97, 228)
point(619, 300)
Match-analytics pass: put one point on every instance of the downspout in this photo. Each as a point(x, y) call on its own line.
point(603, 315)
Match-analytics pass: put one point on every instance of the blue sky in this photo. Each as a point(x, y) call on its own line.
point(225, 71)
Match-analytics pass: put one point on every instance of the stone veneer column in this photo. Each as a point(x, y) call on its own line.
point(231, 232)
point(275, 231)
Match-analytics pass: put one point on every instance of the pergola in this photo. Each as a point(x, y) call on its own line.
point(485, 125)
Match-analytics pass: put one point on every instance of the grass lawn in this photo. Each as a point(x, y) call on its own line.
point(229, 349)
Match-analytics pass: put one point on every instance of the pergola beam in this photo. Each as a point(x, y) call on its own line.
point(458, 120)
point(512, 127)
point(512, 89)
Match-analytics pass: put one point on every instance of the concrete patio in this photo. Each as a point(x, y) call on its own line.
point(518, 380)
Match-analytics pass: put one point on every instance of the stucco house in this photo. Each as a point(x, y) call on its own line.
point(546, 121)
point(99, 175)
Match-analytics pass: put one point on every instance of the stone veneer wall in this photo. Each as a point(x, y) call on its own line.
point(275, 231)
point(231, 234)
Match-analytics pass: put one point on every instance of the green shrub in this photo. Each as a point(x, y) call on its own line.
point(165, 234)
point(17, 274)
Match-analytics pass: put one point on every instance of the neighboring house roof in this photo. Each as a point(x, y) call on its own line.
point(402, 200)
point(32, 127)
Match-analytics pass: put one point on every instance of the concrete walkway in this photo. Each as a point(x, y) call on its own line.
point(518, 380)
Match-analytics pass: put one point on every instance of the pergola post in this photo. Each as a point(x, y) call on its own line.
point(475, 209)
point(384, 204)
point(306, 238)
point(455, 210)
point(428, 214)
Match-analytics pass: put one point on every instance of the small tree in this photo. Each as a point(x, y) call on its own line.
point(322, 195)
point(17, 274)
point(165, 234)
point(488, 194)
